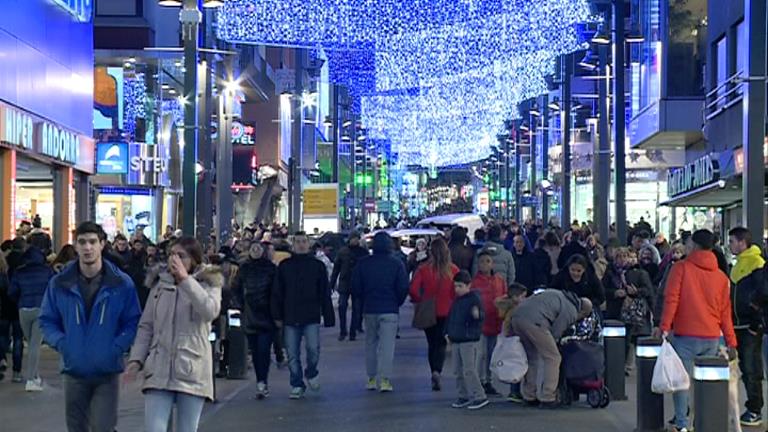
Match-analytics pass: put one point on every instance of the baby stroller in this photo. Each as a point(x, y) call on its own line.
point(582, 370)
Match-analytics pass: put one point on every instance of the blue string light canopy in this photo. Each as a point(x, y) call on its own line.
point(435, 78)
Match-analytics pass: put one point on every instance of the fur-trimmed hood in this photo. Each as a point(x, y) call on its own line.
point(210, 274)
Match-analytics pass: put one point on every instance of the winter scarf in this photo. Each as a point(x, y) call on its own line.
point(747, 262)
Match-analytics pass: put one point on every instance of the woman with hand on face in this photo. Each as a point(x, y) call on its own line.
point(171, 347)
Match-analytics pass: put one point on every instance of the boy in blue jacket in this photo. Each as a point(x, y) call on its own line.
point(90, 313)
point(464, 328)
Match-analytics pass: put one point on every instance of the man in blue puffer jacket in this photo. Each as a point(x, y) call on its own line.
point(90, 315)
point(27, 289)
point(381, 282)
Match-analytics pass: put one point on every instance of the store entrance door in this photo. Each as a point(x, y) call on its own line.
point(34, 193)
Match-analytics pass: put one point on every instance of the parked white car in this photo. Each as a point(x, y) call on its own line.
point(469, 221)
point(408, 237)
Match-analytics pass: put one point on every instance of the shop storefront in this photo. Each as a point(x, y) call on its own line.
point(646, 184)
point(131, 188)
point(711, 186)
point(44, 169)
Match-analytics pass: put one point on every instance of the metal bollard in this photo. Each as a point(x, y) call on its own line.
point(650, 406)
point(614, 340)
point(710, 394)
point(237, 352)
point(214, 361)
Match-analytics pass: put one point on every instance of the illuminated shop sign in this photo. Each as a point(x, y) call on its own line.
point(16, 127)
point(149, 164)
point(80, 9)
point(112, 158)
point(59, 143)
point(243, 134)
point(701, 172)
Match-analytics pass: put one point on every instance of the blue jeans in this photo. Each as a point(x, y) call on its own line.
point(12, 330)
point(158, 405)
point(311, 335)
point(688, 348)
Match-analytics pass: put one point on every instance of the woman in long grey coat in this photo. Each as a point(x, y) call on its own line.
point(171, 346)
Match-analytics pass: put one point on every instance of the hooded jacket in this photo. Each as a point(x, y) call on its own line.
point(550, 309)
point(503, 261)
point(30, 280)
point(90, 346)
point(505, 306)
point(747, 294)
point(380, 279)
point(252, 291)
point(302, 294)
point(172, 341)
point(697, 299)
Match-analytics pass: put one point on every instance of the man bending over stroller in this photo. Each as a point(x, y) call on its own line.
point(540, 321)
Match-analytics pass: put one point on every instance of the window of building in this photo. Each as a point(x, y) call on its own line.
point(721, 71)
point(741, 49)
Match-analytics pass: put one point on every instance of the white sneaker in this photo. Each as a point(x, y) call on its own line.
point(35, 385)
point(262, 391)
point(314, 383)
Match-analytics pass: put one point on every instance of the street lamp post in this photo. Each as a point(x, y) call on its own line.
point(545, 158)
point(619, 121)
point(753, 121)
point(190, 18)
point(565, 110)
point(602, 181)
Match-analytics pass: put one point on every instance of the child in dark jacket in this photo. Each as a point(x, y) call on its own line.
point(464, 328)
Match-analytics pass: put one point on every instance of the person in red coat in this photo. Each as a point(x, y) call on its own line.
point(434, 280)
point(490, 287)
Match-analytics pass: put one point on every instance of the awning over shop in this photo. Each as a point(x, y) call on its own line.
point(718, 194)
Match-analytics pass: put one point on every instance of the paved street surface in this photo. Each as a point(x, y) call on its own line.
point(341, 405)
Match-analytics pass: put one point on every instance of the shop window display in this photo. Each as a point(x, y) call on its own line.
point(124, 213)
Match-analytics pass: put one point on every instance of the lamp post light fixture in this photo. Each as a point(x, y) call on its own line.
point(602, 37)
point(209, 4)
point(190, 17)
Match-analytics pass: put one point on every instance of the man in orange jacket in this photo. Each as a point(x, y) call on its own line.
point(703, 291)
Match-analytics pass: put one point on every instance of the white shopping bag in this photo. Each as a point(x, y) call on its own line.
point(669, 374)
point(509, 362)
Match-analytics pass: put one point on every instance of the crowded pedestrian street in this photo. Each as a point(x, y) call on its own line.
point(341, 405)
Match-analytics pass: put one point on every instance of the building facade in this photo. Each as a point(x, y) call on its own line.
point(46, 97)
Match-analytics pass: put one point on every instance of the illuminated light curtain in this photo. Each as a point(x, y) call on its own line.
point(134, 100)
point(434, 78)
